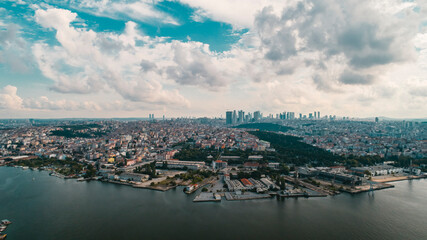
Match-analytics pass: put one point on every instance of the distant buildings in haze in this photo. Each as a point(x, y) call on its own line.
point(239, 117)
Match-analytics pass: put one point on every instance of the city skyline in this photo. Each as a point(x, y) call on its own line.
point(166, 119)
point(108, 59)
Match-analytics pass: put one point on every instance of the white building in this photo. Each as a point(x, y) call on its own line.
point(176, 164)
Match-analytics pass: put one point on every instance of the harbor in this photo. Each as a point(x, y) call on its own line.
point(50, 199)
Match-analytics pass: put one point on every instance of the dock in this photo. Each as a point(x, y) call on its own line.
point(307, 193)
point(231, 196)
point(207, 197)
point(378, 186)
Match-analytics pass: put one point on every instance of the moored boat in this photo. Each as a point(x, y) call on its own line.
point(3, 236)
point(5, 222)
point(2, 228)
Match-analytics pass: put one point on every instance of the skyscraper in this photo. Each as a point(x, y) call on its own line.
point(229, 117)
point(241, 116)
point(257, 116)
point(234, 119)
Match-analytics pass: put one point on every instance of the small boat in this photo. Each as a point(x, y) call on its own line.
point(5, 222)
point(2, 228)
point(3, 236)
point(81, 179)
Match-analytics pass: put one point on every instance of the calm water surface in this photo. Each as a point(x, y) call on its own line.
point(46, 207)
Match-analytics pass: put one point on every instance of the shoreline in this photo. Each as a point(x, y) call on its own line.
point(381, 184)
point(398, 179)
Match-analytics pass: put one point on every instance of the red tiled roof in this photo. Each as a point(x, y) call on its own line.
point(251, 164)
point(246, 182)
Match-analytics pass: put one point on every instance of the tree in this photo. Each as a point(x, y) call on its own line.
point(367, 173)
point(282, 183)
point(90, 171)
point(284, 169)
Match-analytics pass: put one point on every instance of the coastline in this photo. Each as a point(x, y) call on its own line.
point(398, 178)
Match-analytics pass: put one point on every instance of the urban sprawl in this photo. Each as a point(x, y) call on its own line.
point(241, 157)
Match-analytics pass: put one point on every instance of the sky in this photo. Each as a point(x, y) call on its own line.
point(196, 58)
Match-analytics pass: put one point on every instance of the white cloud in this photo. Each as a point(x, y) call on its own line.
point(141, 10)
point(195, 65)
point(88, 62)
point(296, 56)
point(55, 18)
point(103, 61)
point(239, 13)
point(44, 103)
point(199, 16)
point(9, 98)
point(19, 2)
point(14, 50)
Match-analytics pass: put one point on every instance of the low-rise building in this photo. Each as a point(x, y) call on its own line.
point(176, 164)
point(218, 164)
point(135, 177)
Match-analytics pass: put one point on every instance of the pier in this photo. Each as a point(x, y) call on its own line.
point(207, 197)
point(232, 196)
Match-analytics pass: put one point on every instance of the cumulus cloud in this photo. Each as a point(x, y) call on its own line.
point(14, 49)
point(296, 55)
point(55, 18)
point(9, 98)
point(348, 31)
point(194, 67)
point(81, 65)
point(225, 10)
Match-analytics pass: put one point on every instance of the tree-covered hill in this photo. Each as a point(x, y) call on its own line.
point(290, 149)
